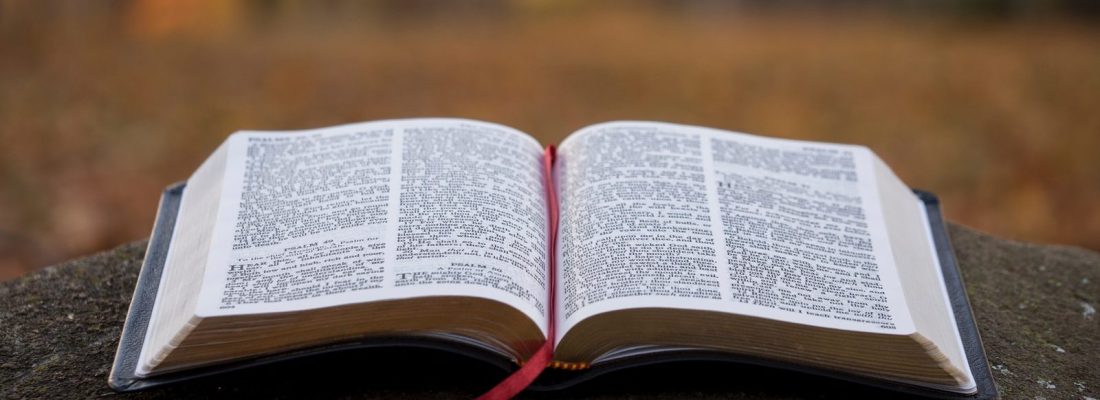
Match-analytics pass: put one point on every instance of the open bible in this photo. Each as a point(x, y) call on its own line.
point(632, 243)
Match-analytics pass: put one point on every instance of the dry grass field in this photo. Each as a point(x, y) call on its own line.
point(102, 105)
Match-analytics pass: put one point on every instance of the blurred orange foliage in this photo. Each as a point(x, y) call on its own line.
point(104, 104)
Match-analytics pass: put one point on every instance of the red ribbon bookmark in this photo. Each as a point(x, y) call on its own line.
point(534, 366)
point(519, 380)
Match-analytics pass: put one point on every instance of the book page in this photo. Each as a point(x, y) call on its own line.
point(377, 211)
point(673, 216)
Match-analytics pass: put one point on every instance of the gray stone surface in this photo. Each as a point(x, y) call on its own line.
point(1035, 307)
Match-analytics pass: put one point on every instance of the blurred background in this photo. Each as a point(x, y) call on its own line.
point(993, 105)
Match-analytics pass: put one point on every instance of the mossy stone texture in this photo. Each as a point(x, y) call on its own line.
point(1035, 306)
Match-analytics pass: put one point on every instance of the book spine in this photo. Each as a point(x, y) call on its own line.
point(532, 368)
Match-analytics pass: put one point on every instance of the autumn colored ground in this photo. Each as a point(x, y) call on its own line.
point(101, 106)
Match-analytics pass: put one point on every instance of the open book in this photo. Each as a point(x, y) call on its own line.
point(637, 241)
